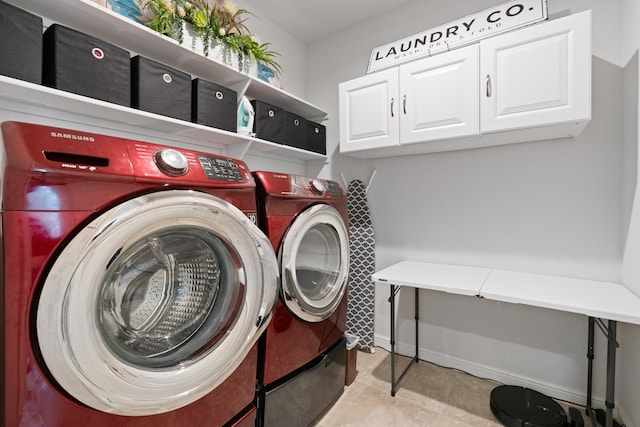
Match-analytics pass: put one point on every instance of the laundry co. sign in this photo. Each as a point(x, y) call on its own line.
point(469, 29)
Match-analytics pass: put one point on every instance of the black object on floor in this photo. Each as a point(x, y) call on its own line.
point(518, 406)
point(601, 418)
point(576, 417)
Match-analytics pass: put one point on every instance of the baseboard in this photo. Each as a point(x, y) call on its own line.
point(624, 416)
point(481, 371)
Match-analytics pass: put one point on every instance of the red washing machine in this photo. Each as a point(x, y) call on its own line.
point(134, 284)
point(303, 356)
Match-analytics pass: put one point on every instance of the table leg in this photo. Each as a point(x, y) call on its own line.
point(612, 344)
point(392, 299)
point(417, 317)
point(590, 356)
point(611, 372)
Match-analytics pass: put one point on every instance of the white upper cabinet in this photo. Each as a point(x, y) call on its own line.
point(439, 97)
point(369, 112)
point(537, 76)
point(429, 99)
point(525, 85)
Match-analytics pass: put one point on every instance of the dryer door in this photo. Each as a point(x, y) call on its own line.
point(156, 302)
point(314, 262)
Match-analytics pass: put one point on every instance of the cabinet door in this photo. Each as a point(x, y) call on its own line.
point(536, 76)
point(369, 111)
point(439, 96)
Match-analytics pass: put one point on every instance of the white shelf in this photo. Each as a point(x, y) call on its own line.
point(98, 21)
point(25, 95)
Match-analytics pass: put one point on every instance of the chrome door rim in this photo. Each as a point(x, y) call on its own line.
point(78, 358)
point(294, 298)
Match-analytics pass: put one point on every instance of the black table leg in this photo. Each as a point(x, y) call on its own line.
point(590, 356)
point(610, 332)
point(612, 344)
point(392, 301)
point(417, 317)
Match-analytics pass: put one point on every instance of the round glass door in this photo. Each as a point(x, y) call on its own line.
point(314, 258)
point(156, 302)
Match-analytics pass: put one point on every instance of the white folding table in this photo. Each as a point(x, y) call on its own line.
point(605, 303)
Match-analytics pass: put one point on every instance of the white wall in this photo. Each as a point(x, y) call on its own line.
point(630, 384)
point(291, 52)
point(558, 207)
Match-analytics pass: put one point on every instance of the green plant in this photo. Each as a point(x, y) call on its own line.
point(262, 53)
point(165, 17)
point(230, 20)
point(199, 14)
point(213, 20)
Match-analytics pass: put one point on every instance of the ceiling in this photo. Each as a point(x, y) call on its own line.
point(311, 20)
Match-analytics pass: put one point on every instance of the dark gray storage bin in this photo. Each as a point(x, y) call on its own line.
point(160, 89)
point(20, 44)
point(269, 122)
point(316, 138)
point(213, 105)
point(79, 63)
point(295, 130)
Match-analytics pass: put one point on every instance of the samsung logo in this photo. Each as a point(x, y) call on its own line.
point(72, 136)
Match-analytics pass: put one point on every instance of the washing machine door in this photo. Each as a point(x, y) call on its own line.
point(156, 302)
point(314, 262)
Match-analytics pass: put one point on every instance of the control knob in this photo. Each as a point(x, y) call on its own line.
point(317, 186)
point(171, 162)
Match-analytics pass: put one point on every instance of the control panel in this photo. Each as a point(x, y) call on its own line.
point(334, 189)
point(286, 185)
point(220, 169)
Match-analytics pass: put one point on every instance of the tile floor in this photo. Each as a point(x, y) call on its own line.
point(429, 396)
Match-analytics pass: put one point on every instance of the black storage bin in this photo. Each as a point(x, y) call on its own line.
point(20, 44)
point(295, 130)
point(79, 63)
point(316, 139)
point(160, 89)
point(213, 105)
point(268, 122)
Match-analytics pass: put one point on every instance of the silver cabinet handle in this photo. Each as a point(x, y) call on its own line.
point(392, 100)
point(404, 104)
point(488, 86)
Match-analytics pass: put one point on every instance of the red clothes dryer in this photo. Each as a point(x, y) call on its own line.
point(134, 284)
point(306, 221)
